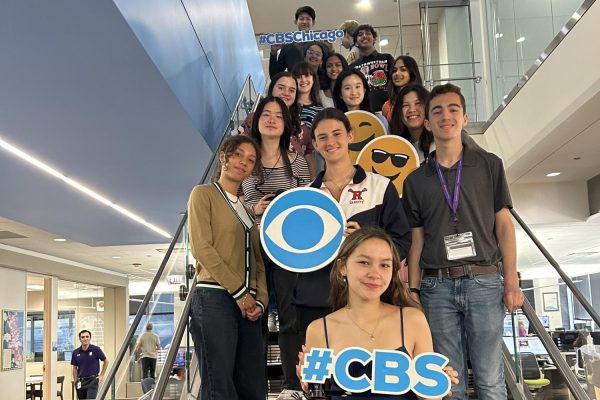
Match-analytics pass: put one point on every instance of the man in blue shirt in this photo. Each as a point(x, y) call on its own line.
point(85, 363)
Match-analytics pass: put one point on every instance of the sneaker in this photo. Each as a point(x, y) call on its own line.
point(290, 394)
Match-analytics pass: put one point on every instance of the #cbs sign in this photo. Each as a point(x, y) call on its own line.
point(302, 229)
point(392, 372)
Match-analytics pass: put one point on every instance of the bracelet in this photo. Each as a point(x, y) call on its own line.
point(415, 290)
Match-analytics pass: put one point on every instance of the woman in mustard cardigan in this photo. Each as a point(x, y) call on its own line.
point(231, 292)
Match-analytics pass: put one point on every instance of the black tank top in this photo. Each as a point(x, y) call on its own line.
point(357, 369)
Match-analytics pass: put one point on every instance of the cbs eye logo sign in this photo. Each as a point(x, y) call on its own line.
point(302, 229)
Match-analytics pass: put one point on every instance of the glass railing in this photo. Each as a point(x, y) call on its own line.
point(518, 35)
point(160, 300)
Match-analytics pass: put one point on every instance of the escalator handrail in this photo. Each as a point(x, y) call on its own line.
point(103, 390)
point(161, 384)
point(576, 292)
point(554, 353)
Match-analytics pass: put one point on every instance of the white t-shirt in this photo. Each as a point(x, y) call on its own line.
point(239, 208)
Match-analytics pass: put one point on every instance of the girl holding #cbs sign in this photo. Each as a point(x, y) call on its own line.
point(373, 310)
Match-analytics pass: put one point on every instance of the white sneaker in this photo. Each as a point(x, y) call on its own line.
point(290, 394)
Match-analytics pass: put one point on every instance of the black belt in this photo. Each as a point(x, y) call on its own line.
point(461, 270)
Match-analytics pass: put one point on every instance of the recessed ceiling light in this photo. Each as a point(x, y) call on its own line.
point(521, 39)
point(364, 5)
point(115, 257)
point(551, 174)
point(384, 42)
point(81, 187)
point(60, 240)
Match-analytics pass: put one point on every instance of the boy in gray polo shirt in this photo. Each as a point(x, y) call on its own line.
point(462, 261)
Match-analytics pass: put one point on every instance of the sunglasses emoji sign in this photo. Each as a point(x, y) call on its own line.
point(366, 127)
point(390, 156)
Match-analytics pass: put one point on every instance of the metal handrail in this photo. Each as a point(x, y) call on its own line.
point(138, 316)
point(142, 310)
point(560, 363)
point(576, 292)
point(163, 378)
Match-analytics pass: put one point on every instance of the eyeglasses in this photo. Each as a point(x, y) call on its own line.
point(314, 53)
point(399, 160)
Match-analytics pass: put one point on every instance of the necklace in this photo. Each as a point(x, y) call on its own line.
point(338, 187)
point(371, 334)
point(265, 175)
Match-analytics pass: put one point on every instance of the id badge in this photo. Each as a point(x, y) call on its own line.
point(78, 384)
point(459, 246)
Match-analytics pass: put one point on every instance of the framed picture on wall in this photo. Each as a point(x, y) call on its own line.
point(550, 301)
point(13, 327)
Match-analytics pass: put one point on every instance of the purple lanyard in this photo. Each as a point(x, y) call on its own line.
point(453, 204)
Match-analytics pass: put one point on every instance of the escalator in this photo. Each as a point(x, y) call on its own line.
point(166, 303)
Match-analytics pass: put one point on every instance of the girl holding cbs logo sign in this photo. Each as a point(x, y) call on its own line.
point(372, 309)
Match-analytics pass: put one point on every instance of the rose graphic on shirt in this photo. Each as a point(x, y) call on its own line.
point(379, 78)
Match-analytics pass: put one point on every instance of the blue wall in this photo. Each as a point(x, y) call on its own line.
point(204, 49)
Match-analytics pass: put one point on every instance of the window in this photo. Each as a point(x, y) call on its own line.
point(35, 335)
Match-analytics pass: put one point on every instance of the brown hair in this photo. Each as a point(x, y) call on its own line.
point(229, 146)
point(397, 292)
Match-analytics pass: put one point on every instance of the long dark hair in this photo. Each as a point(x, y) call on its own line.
point(284, 139)
point(397, 292)
point(229, 146)
point(304, 68)
point(365, 105)
point(413, 71)
point(397, 126)
point(325, 80)
point(294, 108)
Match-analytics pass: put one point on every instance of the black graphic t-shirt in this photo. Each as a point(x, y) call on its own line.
point(376, 67)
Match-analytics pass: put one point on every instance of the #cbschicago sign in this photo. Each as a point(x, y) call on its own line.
point(393, 372)
point(300, 36)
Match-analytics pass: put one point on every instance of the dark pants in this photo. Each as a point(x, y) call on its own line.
point(306, 315)
point(88, 389)
point(148, 367)
point(231, 354)
point(282, 284)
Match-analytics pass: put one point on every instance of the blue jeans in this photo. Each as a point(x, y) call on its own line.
point(229, 347)
point(466, 316)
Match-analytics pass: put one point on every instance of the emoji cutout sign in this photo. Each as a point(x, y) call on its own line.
point(366, 127)
point(390, 156)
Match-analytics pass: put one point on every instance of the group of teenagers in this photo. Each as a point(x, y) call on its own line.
point(452, 227)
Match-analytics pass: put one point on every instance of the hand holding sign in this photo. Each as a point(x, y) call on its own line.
point(393, 373)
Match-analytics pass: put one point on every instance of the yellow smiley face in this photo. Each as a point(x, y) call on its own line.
point(390, 156)
point(366, 127)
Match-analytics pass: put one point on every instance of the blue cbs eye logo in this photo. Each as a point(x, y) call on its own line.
point(302, 229)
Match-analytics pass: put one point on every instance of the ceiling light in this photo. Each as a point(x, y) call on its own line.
point(521, 39)
point(35, 287)
point(60, 240)
point(115, 257)
point(82, 188)
point(499, 35)
point(384, 42)
point(551, 174)
point(364, 5)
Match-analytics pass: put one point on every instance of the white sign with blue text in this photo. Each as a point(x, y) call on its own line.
point(393, 372)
